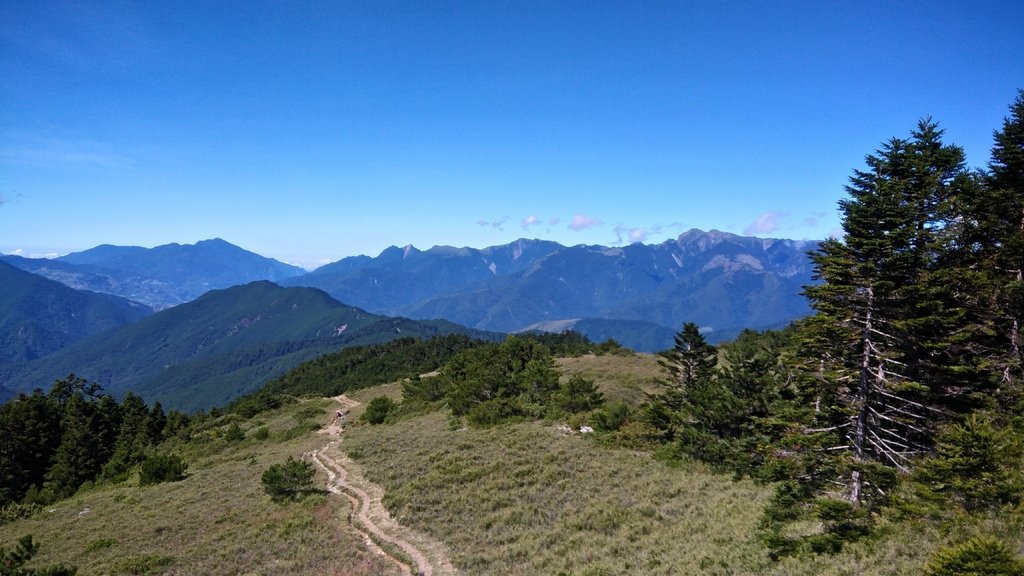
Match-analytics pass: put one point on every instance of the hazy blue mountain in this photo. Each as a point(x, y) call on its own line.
point(721, 281)
point(400, 278)
point(635, 334)
point(162, 276)
point(39, 316)
point(223, 344)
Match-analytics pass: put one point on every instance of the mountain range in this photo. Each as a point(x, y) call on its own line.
point(219, 334)
point(158, 277)
point(638, 294)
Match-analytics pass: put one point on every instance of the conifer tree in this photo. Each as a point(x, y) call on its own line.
point(691, 359)
point(77, 459)
point(992, 234)
point(29, 437)
point(879, 319)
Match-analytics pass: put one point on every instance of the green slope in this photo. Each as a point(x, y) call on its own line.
point(40, 316)
point(223, 344)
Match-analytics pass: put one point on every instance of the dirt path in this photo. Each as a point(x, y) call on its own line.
point(427, 557)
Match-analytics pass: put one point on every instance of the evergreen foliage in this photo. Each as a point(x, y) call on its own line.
point(158, 468)
point(13, 563)
point(360, 367)
point(974, 466)
point(51, 444)
point(979, 556)
point(378, 409)
point(288, 480)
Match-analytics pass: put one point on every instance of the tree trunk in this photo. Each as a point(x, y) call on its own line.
point(861, 400)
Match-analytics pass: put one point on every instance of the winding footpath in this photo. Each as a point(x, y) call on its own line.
point(422, 555)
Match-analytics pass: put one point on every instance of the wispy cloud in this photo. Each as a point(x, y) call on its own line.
point(554, 221)
point(766, 223)
point(530, 220)
point(623, 232)
point(3, 199)
point(582, 222)
point(813, 219)
point(496, 224)
point(26, 254)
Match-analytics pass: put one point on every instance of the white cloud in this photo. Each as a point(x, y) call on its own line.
point(530, 221)
point(637, 235)
point(582, 222)
point(496, 224)
point(766, 223)
point(25, 254)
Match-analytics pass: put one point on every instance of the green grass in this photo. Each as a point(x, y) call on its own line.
point(216, 521)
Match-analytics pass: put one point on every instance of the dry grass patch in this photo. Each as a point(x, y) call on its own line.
point(526, 499)
point(216, 521)
point(621, 378)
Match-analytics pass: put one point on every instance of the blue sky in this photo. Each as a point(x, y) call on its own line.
point(309, 131)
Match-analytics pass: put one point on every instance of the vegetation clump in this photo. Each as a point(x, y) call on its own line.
point(289, 480)
point(979, 556)
point(12, 563)
point(159, 468)
point(378, 410)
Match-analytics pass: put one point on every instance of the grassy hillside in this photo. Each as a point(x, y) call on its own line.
point(531, 499)
point(525, 498)
point(218, 347)
point(217, 521)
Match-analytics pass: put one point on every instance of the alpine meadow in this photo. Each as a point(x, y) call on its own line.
point(881, 434)
point(333, 288)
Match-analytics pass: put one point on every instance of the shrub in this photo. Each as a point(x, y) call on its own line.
point(262, 433)
point(234, 433)
point(16, 510)
point(161, 468)
point(11, 563)
point(289, 480)
point(578, 394)
point(979, 556)
point(611, 418)
point(378, 409)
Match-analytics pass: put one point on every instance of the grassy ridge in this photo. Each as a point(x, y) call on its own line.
point(526, 499)
point(216, 521)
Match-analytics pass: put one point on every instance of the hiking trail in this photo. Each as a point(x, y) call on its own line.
point(422, 554)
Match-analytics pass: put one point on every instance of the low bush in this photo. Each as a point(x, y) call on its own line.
point(161, 468)
point(289, 480)
point(378, 409)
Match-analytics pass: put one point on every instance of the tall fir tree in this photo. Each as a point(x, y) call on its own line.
point(998, 232)
point(881, 313)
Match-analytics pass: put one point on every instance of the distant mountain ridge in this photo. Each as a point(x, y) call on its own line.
point(40, 316)
point(639, 294)
point(722, 281)
point(158, 277)
point(224, 344)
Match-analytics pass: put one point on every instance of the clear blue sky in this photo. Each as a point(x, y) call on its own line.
point(309, 131)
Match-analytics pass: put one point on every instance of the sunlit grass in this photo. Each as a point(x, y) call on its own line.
point(216, 521)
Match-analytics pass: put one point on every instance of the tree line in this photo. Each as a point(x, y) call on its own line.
point(54, 442)
point(905, 388)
